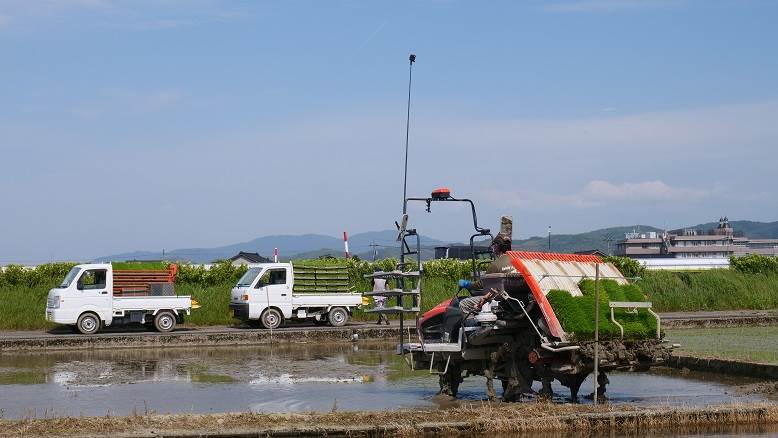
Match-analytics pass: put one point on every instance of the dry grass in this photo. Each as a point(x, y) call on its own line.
point(472, 418)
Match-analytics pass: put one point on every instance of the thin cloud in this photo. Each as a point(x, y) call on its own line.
point(598, 193)
point(372, 35)
point(120, 100)
point(709, 130)
point(606, 5)
point(136, 15)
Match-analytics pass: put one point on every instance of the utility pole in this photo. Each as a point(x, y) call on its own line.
point(596, 330)
point(609, 239)
point(549, 238)
point(412, 59)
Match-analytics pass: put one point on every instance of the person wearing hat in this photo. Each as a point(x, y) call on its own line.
point(501, 264)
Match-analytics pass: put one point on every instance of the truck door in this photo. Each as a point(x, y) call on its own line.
point(93, 293)
point(277, 290)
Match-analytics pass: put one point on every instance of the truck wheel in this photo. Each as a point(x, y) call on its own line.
point(88, 323)
point(271, 319)
point(338, 317)
point(165, 322)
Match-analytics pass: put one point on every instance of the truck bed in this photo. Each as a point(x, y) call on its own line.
point(325, 299)
point(152, 303)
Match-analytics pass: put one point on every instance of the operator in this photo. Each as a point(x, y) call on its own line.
point(501, 264)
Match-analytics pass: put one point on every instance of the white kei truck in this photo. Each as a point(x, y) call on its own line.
point(270, 293)
point(95, 295)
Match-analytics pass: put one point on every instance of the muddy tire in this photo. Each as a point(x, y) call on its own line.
point(88, 323)
point(271, 319)
point(165, 321)
point(338, 317)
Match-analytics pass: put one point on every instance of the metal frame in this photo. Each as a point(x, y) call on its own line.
point(633, 307)
point(405, 251)
point(480, 231)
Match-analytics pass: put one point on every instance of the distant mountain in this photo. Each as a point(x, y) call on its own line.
point(290, 246)
point(287, 244)
point(309, 246)
point(597, 239)
point(754, 230)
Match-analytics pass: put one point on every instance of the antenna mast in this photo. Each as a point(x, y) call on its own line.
point(412, 59)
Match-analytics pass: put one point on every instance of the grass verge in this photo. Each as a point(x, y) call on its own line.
point(717, 289)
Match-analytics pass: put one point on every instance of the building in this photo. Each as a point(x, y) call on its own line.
point(642, 245)
point(688, 243)
point(245, 258)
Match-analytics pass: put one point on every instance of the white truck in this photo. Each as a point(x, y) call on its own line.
point(95, 295)
point(270, 293)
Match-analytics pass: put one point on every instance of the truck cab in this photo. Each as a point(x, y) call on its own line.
point(86, 288)
point(270, 293)
point(262, 284)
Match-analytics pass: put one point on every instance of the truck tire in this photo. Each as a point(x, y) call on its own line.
point(165, 321)
point(271, 319)
point(88, 323)
point(338, 317)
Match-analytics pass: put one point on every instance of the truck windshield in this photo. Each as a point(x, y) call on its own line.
point(249, 277)
point(70, 277)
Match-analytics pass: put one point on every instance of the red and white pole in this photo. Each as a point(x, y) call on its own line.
point(345, 243)
point(275, 255)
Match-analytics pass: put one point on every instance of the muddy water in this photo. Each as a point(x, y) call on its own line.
point(281, 378)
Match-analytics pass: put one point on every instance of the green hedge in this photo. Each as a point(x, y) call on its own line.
point(754, 264)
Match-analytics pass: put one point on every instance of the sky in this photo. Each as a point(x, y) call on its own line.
point(142, 125)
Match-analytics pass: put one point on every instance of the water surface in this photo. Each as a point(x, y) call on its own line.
point(282, 378)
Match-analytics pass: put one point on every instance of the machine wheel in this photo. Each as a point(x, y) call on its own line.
point(165, 321)
point(338, 317)
point(449, 382)
point(88, 323)
point(272, 319)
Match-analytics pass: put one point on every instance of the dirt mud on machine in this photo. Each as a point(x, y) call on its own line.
point(514, 335)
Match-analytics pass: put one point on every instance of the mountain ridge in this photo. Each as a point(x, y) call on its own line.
point(314, 245)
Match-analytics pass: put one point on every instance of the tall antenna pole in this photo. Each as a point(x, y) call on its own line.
point(412, 59)
point(549, 238)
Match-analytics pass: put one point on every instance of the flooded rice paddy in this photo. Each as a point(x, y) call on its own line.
point(756, 344)
point(282, 378)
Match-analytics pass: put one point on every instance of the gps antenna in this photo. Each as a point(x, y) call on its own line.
point(412, 59)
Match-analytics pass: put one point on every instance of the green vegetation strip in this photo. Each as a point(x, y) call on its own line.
point(752, 284)
point(478, 418)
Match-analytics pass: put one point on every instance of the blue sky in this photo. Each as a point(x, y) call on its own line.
point(141, 125)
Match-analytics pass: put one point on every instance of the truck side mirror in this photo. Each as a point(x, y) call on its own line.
point(259, 284)
point(80, 283)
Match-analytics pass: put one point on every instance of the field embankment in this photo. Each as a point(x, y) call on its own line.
point(476, 418)
point(752, 284)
